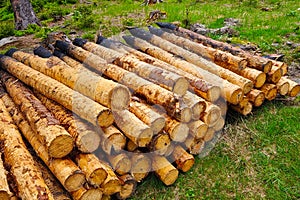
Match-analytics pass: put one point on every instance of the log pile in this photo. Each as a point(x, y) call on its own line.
point(100, 117)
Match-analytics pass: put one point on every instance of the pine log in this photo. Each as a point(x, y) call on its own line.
point(211, 114)
point(231, 92)
point(208, 146)
point(270, 91)
point(256, 97)
point(282, 65)
point(87, 194)
point(193, 58)
point(26, 175)
point(141, 166)
point(209, 134)
point(257, 77)
point(57, 140)
point(86, 139)
point(222, 104)
point(106, 92)
point(164, 170)
point(128, 186)
point(106, 197)
point(152, 92)
point(71, 177)
point(113, 140)
point(120, 163)
point(184, 161)
point(294, 88)
point(201, 87)
point(5, 192)
point(196, 103)
point(112, 184)
point(148, 116)
point(170, 149)
point(160, 143)
point(274, 75)
point(219, 125)
point(70, 99)
point(194, 146)
point(256, 62)
point(164, 78)
point(283, 87)
point(244, 107)
point(198, 129)
point(133, 128)
point(221, 58)
point(183, 112)
point(131, 146)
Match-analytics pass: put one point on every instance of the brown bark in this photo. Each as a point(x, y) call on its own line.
point(70, 99)
point(128, 186)
point(184, 161)
point(5, 192)
point(26, 175)
point(256, 97)
point(164, 170)
point(57, 140)
point(141, 166)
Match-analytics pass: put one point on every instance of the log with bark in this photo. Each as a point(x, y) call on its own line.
point(201, 87)
point(194, 146)
point(283, 86)
point(57, 140)
point(200, 62)
point(152, 92)
point(71, 177)
point(164, 78)
point(160, 143)
point(231, 92)
point(128, 186)
point(5, 192)
point(211, 114)
point(256, 62)
point(196, 103)
point(244, 107)
point(84, 107)
point(274, 75)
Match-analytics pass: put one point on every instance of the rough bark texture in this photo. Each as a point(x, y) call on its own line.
point(5, 192)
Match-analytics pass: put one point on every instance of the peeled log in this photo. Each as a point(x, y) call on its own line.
point(198, 129)
point(244, 107)
point(200, 62)
point(112, 184)
point(120, 163)
point(274, 75)
point(5, 192)
point(113, 140)
point(57, 140)
point(211, 114)
point(283, 87)
point(231, 92)
point(256, 97)
point(160, 143)
point(294, 87)
point(141, 166)
point(201, 87)
point(26, 175)
point(209, 134)
point(221, 58)
point(104, 91)
point(256, 62)
point(282, 65)
point(87, 194)
point(196, 103)
point(194, 146)
point(128, 186)
point(86, 139)
point(219, 125)
point(70, 99)
point(131, 146)
point(184, 161)
point(164, 78)
point(133, 128)
point(257, 77)
point(71, 177)
point(148, 116)
point(270, 91)
point(165, 171)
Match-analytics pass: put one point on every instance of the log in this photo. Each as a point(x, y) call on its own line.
point(160, 143)
point(86, 139)
point(164, 78)
point(26, 175)
point(184, 161)
point(183, 112)
point(256, 62)
point(193, 58)
point(256, 97)
point(201, 87)
point(133, 128)
point(198, 129)
point(282, 65)
point(106, 92)
point(270, 91)
point(141, 166)
point(196, 103)
point(113, 140)
point(131, 146)
point(274, 75)
point(194, 146)
point(209, 134)
point(5, 192)
point(211, 114)
point(221, 58)
point(219, 125)
point(170, 149)
point(87, 194)
point(154, 120)
point(257, 77)
point(70, 99)
point(283, 87)
point(128, 186)
point(57, 140)
point(71, 177)
point(120, 163)
point(222, 104)
point(164, 170)
point(244, 107)
point(152, 92)
point(208, 146)
point(294, 88)
point(112, 184)
point(231, 92)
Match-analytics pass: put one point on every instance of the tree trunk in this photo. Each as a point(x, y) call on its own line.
point(24, 14)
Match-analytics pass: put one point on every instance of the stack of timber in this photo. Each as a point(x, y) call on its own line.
point(97, 118)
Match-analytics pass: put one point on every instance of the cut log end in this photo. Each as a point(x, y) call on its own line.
point(233, 95)
point(158, 125)
point(185, 115)
point(61, 146)
point(283, 88)
point(105, 118)
point(97, 177)
point(294, 91)
point(87, 194)
point(247, 87)
point(4, 195)
point(187, 164)
point(274, 75)
point(145, 137)
point(181, 86)
point(89, 142)
point(180, 133)
point(214, 93)
point(170, 177)
point(74, 182)
point(259, 99)
point(120, 98)
point(111, 187)
point(260, 80)
point(209, 135)
point(266, 68)
point(270, 91)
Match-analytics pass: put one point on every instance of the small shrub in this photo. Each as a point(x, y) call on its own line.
point(6, 29)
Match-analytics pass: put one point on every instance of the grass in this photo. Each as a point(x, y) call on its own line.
point(257, 157)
